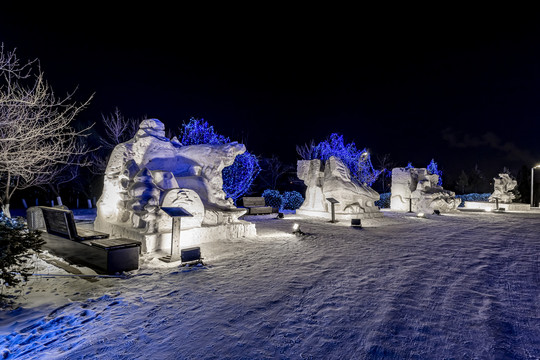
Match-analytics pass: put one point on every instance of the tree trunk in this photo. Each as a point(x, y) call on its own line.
point(5, 209)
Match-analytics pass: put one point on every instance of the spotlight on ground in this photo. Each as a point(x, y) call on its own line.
point(296, 230)
point(421, 215)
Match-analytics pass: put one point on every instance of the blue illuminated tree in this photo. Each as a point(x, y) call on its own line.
point(237, 178)
point(197, 132)
point(358, 161)
point(432, 169)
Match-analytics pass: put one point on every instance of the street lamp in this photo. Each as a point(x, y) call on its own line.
point(532, 184)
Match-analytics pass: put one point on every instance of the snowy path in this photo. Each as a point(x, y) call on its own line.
point(463, 286)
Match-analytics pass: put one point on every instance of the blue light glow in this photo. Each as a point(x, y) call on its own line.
point(358, 161)
point(432, 169)
point(237, 178)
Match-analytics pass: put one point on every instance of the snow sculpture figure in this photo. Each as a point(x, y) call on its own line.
point(416, 190)
point(150, 171)
point(503, 186)
point(309, 171)
point(353, 197)
point(355, 200)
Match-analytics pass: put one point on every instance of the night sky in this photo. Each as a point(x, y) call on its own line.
point(462, 89)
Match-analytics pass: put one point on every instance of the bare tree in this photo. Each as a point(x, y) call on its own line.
point(306, 151)
point(36, 135)
point(385, 166)
point(272, 170)
point(118, 129)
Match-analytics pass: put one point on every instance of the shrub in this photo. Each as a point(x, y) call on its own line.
point(272, 198)
point(473, 197)
point(16, 243)
point(292, 200)
point(384, 201)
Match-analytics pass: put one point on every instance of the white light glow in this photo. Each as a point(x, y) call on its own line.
point(295, 227)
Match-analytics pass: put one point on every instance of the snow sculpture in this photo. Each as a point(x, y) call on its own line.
point(416, 190)
point(309, 171)
point(503, 185)
point(150, 171)
point(355, 200)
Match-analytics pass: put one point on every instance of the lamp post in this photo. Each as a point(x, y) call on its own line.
point(532, 184)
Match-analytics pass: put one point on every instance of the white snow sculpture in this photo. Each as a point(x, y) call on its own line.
point(416, 190)
point(503, 185)
point(150, 171)
point(310, 172)
point(355, 200)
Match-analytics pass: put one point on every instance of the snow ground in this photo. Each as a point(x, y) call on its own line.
point(462, 286)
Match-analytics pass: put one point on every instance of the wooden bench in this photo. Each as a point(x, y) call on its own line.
point(87, 247)
point(255, 205)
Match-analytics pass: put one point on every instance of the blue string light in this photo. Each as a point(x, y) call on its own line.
point(237, 178)
point(432, 169)
point(358, 161)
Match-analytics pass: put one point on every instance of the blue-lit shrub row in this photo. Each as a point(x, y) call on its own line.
point(384, 201)
point(289, 200)
point(473, 197)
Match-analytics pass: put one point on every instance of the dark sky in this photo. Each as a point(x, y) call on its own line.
point(460, 88)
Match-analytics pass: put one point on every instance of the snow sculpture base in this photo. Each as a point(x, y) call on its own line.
point(155, 242)
point(339, 216)
point(490, 206)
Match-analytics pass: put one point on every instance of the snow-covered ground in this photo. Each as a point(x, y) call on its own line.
point(463, 286)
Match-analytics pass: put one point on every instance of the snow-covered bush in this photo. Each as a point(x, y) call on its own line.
point(292, 200)
point(272, 198)
point(16, 245)
point(473, 197)
point(384, 201)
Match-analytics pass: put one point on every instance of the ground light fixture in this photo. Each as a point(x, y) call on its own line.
point(421, 215)
point(296, 230)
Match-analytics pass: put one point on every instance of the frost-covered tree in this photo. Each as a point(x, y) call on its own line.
point(462, 182)
point(272, 169)
point(358, 161)
point(237, 178)
point(16, 245)
point(37, 138)
point(118, 129)
point(385, 166)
